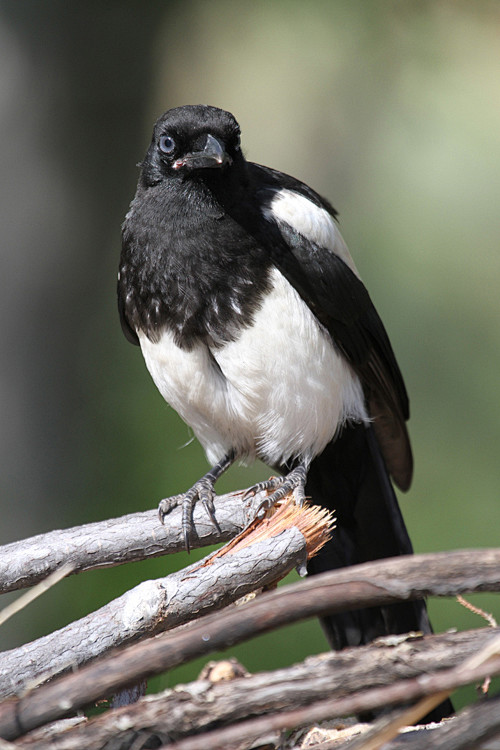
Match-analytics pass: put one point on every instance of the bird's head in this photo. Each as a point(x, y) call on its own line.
point(192, 140)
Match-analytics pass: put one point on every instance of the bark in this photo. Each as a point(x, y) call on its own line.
point(119, 540)
point(382, 582)
point(151, 607)
point(202, 705)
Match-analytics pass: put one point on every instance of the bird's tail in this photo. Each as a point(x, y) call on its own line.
point(350, 478)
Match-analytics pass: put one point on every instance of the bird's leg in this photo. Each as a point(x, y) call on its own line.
point(203, 490)
point(279, 487)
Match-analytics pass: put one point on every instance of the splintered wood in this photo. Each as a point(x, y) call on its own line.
point(314, 523)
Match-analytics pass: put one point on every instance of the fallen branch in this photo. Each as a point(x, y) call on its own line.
point(165, 603)
point(120, 540)
point(384, 582)
point(471, 729)
point(367, 700)
point(333, 675)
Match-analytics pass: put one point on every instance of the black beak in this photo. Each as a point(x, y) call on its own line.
point(213, 155)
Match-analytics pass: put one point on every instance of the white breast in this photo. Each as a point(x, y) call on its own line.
point(279, 391)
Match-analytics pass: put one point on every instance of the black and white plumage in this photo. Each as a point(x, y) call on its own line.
point(255, 326)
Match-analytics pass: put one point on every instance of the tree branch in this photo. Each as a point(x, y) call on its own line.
point(332, 676)
point(151, 607)
point(367, 700)
point(119, 540)
point(384, 582)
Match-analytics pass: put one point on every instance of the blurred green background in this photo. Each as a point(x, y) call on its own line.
point(391, 109)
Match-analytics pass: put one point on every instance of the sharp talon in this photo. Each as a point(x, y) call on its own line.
point(300, 496)
point(202, 490)
point(210, 509)
point(280, 487)
point(262, 510)
point(166, 505)
point(186, 540)
point(250, 492)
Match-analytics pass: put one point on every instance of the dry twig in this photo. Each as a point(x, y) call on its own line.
point(22, 601)
point(378, 583)
point(333, 675)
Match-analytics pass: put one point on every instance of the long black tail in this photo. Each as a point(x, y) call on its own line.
point(350, 478)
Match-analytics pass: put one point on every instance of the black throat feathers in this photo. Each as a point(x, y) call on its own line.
point(187, 265)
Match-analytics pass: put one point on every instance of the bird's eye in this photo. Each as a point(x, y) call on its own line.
point(167, 144)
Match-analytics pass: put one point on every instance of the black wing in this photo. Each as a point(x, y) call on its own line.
point(130, 333)
point(340, 301)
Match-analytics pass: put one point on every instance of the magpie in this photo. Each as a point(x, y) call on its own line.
point(256, 328)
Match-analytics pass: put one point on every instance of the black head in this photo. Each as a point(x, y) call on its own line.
point(192, 140)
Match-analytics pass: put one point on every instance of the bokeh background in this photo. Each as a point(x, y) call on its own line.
point(389, 108)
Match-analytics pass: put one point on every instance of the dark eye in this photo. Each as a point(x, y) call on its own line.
point(167, 144)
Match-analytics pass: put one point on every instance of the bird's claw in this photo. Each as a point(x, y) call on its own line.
point(266, 486)
point(168, 504)
point(280, 487)
point(202, 490)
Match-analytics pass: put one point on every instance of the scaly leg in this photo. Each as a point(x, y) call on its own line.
point(294, 481)
point(203, 490)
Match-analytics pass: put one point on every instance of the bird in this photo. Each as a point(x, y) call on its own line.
point(257, 329)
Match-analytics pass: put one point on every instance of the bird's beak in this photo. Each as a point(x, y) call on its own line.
point(213, 155)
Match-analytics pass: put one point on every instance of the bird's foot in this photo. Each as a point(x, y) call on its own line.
point(280, 487)
point(202, 490)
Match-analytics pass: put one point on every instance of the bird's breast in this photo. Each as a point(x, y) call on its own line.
point(197, 273)
point(278, 390)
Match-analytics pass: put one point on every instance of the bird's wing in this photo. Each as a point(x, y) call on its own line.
point(306, 246)
point(130, 333)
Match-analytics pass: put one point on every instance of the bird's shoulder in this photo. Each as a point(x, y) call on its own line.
point(305, 221)
point(268, 181)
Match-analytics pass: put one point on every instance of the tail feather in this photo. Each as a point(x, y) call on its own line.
point(350, 478)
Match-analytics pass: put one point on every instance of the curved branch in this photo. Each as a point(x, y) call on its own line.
point(120, 540)
point(152, 607)
point(332, 675)
point(384, 582)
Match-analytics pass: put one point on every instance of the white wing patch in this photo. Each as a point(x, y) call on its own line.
point(309, 220)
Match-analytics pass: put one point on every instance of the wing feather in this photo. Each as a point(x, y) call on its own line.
point(308, 249)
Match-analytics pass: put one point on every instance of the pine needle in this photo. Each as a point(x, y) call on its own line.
point(35, 592)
